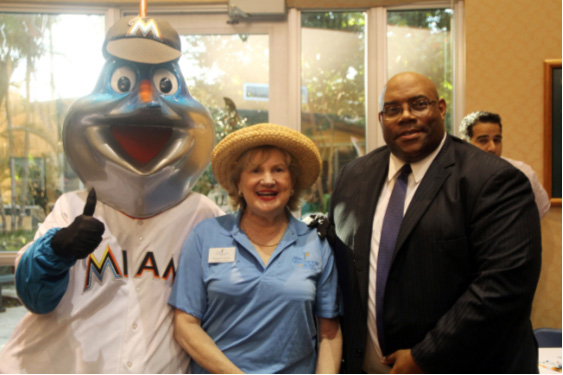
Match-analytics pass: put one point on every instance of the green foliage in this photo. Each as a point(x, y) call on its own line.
point(340, 89)
point(434, 19)
point(430, 52)
point(36, 192)
point(343, 21)
point(226, 121)
point(23, 41)
point(13, 241)
point(18, 34)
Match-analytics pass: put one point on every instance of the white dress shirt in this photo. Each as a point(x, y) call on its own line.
point(542, 199)
point(372, 362)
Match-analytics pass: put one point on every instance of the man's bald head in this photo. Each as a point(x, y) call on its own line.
point(406, 79)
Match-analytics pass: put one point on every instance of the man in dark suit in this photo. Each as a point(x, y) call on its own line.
point(461, 276)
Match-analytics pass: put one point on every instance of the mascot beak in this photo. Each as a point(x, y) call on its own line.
point(145, 91)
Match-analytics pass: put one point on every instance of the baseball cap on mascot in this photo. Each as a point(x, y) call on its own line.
point(139, 138)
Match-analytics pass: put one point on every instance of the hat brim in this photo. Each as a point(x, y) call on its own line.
point(301, 148)
point(142, 50)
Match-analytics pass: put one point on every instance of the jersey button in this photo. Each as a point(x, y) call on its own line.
point(129, 364)
point(134, 325)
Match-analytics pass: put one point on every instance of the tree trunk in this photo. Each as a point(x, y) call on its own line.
point(8, 72)
point(25, 159)
point(4, 84)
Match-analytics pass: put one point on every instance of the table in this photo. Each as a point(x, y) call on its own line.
point(549, 360)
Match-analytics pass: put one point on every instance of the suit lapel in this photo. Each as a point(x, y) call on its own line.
point(430, 185)
point(376, 171)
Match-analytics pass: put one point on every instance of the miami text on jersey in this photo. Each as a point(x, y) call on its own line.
point(108, 264)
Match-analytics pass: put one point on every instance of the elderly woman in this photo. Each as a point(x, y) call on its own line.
point(257, 291)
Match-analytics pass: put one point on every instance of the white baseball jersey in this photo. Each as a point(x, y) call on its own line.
point(114, 316)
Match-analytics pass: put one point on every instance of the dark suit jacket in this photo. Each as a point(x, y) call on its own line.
point(465, 266)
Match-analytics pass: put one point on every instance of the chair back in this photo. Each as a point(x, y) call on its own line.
point(548, 337)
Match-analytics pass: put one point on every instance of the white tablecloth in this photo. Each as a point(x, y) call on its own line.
point(549, 360)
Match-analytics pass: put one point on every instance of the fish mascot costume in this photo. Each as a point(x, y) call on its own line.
point(98, 274)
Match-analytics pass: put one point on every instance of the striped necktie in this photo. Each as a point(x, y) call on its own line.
point(389, 232)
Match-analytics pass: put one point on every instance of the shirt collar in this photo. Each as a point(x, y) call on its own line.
point(419, 168)
point(296, 227)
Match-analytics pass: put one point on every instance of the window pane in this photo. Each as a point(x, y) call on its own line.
point(421, 41)
point(333, 94)
point(228, 74)
point(46, 62)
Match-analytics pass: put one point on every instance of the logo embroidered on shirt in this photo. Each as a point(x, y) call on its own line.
point(305, 263)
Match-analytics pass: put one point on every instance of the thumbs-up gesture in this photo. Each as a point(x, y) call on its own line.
point(81, 237)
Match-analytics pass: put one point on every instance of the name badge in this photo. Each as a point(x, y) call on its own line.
point(222, 255)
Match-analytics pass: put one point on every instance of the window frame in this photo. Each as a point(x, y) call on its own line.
point(216, 23)
point(377, 46)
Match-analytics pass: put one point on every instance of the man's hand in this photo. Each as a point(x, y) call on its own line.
point(325, 227)
point(402, 362)
point(81, 237)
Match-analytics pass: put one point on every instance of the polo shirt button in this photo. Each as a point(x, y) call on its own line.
point(129, 364)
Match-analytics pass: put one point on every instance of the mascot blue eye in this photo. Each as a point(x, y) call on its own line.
point(123, 79)
point(165, 81)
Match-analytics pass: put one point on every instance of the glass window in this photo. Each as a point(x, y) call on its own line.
point(421, 41)
point(333, 110)
point(228, 74)
point(46, 62)
point(333, 52)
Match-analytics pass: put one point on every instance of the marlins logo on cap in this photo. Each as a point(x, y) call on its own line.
point(143, 40)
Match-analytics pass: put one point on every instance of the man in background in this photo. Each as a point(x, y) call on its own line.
point(484, 130)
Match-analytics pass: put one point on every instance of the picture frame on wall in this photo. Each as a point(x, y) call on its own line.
point(552, 130)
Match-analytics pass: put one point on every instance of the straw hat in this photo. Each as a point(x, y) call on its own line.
point(301, 148)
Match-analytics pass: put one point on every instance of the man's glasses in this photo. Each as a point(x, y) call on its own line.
point(417, 107)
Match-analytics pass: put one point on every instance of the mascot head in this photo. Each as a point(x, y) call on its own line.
point(139, 139)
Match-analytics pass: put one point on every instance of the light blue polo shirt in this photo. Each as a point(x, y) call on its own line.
point(261, 317)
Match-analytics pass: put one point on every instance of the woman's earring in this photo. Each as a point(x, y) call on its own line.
point(240, 193)
point(292, 192)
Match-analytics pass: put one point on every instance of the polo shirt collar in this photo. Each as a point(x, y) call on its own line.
point(295, 229)
point(298, 227)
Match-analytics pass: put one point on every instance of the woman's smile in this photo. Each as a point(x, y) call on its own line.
point(266, 183)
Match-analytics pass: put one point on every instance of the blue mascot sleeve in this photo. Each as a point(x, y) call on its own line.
point(42, 276)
